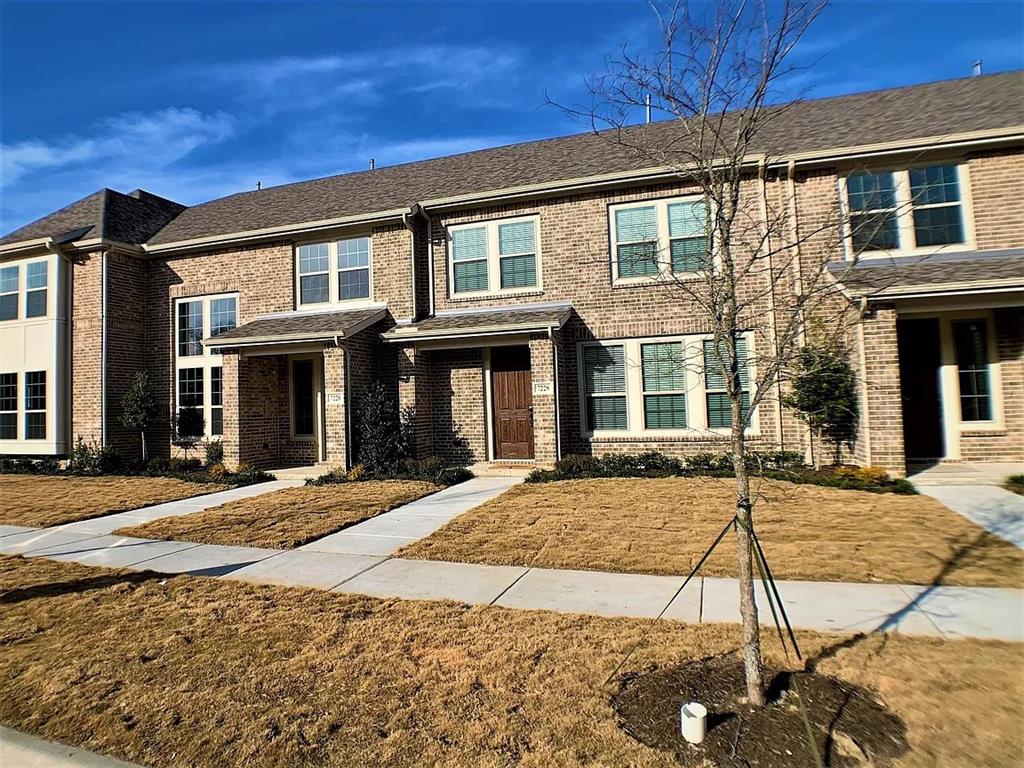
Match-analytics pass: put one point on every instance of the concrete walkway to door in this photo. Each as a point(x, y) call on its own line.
point(973, 491)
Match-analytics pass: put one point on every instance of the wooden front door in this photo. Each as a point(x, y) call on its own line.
point(512, 393)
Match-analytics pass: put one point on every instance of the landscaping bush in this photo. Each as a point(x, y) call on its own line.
point(1015, 484)
point(432, 469)
point(214, 453)
point(92, 459)
point(778, 465)
point(381, 437)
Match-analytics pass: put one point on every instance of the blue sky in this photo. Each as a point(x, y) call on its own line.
point(196, 100)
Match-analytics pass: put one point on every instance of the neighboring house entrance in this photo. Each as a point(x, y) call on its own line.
point(920, 356)
point(512, 394)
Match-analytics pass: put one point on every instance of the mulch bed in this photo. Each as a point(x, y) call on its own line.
point(851, 726)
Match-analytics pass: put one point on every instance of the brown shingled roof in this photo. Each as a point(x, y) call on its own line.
point(968, 271)
point(131, 218)
point(298, 326)
point(521, 318)
point(935, 109)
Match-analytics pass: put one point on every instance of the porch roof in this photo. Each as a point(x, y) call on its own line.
point(485, 321)
point(940, 273)
point(298, 327)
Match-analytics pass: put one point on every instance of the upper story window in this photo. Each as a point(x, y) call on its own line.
point(334, 272)
point(9, 286)
point(659, 238)
point(494, 256)
point(907, 210)
point(35, 289)
point(199, 369)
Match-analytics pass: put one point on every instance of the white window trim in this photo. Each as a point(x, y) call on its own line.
point(317, 375)
point(333, 271)
point(20, 314)
point(44, 410)
point(494, 259)
point(950, 376)
point(45, 288)
point(207, 360)
point(665, 272)
point(695, 390)
point(18, 427)
point(905, 212)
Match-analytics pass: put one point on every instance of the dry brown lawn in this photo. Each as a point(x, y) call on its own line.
point(211, 673)
point(665, 526)
point(44, 500)
point(288, 518)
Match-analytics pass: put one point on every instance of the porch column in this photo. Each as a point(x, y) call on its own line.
point(881, 423)
point(542, 367)
point(414, 394)
point(231, 439)
point(336, 408)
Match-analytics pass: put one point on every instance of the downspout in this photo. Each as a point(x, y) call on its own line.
point(103, 348)
point(558, 414)
point(407, 221)
point(66, 286)
point(798, 273)
point(866, 410)
point(761, 172)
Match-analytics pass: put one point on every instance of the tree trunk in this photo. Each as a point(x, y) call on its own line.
point(745, 554)
point(142, 435)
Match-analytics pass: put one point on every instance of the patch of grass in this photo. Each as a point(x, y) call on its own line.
point(212, 673)
point(288, 518)
point(664, 526)
point(45, 500)
point(1015, 484)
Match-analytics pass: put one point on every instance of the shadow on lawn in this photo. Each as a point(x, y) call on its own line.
point(76, 586)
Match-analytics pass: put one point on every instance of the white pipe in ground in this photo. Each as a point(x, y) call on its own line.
point(693, 722)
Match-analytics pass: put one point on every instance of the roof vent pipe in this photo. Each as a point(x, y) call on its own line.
point(977, 68)
point(259, 185)
point(372, 163)
point(647, 101)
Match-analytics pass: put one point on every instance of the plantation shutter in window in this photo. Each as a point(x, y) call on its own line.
point(636, 234)
point(469, 254)
point(517, 251)
point(605, 383)
point(688, 236)
point(662, 369)
point(718, 403)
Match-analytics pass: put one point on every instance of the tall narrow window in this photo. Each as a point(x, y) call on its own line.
point(190, 328)
point(636, 242)
point(469, 259)
point(971, 341)
point(190, 388)
point(35, 289)
point(664, 385)
point(354, 269)
point(303, 416)
point(872, 200)
point(35, 405)
point(688, 236)
point(314, 266)
point(9, 293)
point(719, 405)
point(223, 315)
point(8, 406)
point(604, 378)
point(217, 400)
point(935, 196)
point(517, 254)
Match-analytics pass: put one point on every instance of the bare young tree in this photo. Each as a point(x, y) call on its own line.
point(761, 283)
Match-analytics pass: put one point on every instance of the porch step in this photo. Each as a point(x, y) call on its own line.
point(298, 473)
point(502, 469)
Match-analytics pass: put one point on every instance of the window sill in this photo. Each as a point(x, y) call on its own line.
point(656, 437)
point(932, 250)
point(663, 279)
point(465, 297)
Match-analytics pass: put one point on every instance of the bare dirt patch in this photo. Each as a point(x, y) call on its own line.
point(849, 725)
point(664, 526)
point(45, 500)
point(211, 673)
point(288, 518)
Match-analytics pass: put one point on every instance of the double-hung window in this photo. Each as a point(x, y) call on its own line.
point(9, 286)
point(199, 373)
point(905, 211)
point(719, 404)
point(35, 289)
point(494, 256)
point(604, 381)
point(335, 272)
point(35, 405)
point(8, 406)
point(970, 339)
point(658, 387)
point(659, 238)
point(663, 373)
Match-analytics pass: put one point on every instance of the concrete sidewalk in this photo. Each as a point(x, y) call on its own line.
point(995, 509)
point(20, 750)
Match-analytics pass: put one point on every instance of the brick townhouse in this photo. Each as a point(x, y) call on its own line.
point(498, 295)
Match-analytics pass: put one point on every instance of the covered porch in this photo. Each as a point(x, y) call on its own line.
point(289, 384)
point(481, 385)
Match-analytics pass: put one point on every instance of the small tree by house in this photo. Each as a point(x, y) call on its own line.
point(824, 394)
point(189, 428)
point(382, 440)
point(139, 407)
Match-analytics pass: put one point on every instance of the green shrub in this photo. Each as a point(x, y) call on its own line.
point(214, 453)
point(381, 438)
point(92, 459)
point(432, 469)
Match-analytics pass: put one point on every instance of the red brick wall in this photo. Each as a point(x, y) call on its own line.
point(997, 192)
point(86, 348)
